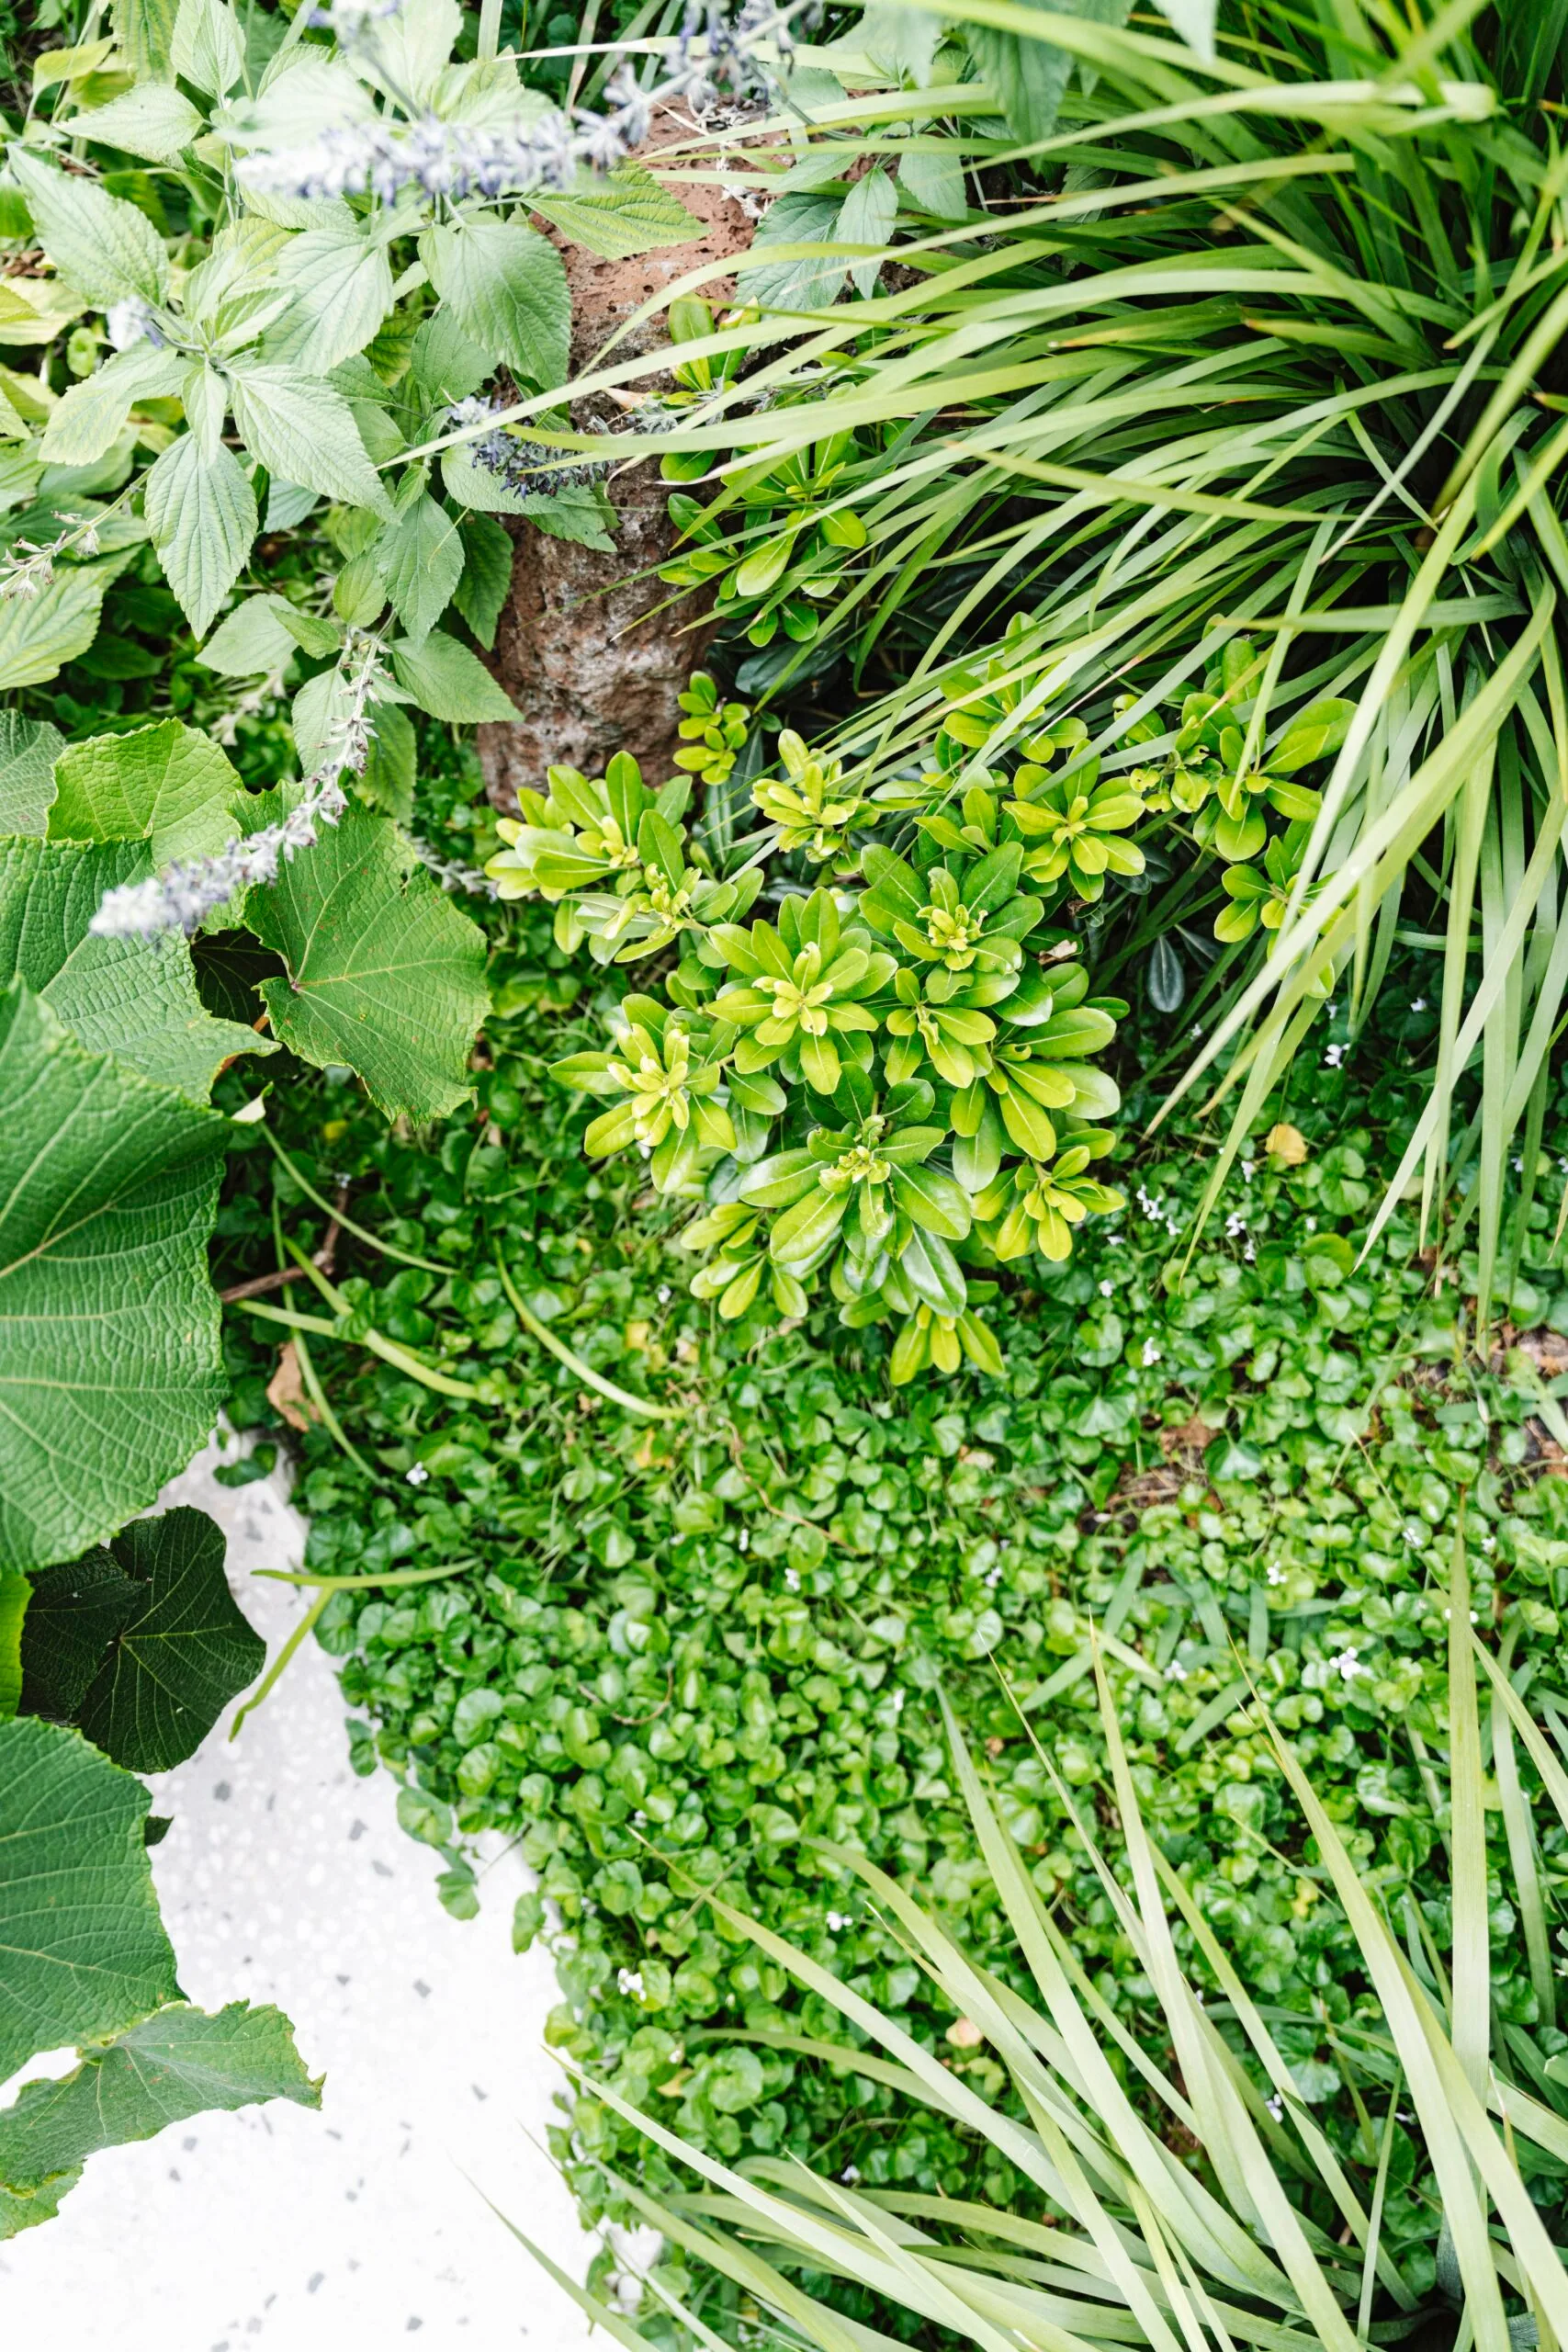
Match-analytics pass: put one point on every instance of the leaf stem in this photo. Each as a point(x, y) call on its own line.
point(559, 1349)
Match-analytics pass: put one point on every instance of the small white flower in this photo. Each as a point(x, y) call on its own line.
point(1417, 1004)
point(1176, 1671)
point(1311, 1225)
point(1106, 1290)
point(1247, 1168)
point(743, 1541)
point(665, 1294)
point(1151, 1353)
point(630, 1981)
point(1236, 1225)
point(837, 1921)
point(1334, 1055)
point(850, 2175)
point(418, 1475)
point(1275, 1573)
point(791, 1578)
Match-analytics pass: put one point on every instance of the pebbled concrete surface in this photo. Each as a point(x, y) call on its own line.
point(285, 1878)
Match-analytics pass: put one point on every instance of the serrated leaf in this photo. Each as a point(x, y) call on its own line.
point(99, 243)
point(91, 416)
point(167, 785)
point(134, 998)
point(74, 1613)
point(40, 634)
point(448, 681)
point(507, 286)
point(486, 582)
point(182, 1653)
point(85, 1951)
point(580, 512)
point(28, 749)
point(174, 2064)
point(202, 514)
point(384, 974)
point(109, 1186)
point(341, 288)
point(809, 283)
point(630, 212)
point(302, 430)
point(145, 32)
point(156, 120)
point(445, 364)
point(387, 779)
point(252, 641)
point(208, 50)
point(420, 559)
point(866, 218)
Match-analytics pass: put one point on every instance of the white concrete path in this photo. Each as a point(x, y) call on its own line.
point(285, 1879)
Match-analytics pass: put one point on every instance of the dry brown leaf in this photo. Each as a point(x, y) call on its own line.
point(286, 1390)
point(1286, 1144)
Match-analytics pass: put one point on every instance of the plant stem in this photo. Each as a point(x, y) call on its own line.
point(563, 1354)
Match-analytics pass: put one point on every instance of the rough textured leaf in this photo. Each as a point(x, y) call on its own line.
point(209, 51)
point(420, 558)
point(486, 575)
point(630, 212)
point(155, 121)
point(74, 1613)
point(303, 431)
point(133, 997)
point(40, 634)
point(387, 779)
point(202, 514)
point(166, 784)
point(145, 32)
point(448, 681)
point(866, 219)
point(809, 283)
point(16, 1591)
point(507, 285)
point(28, 749)
point(1030, 76)
point(342, 289)
point(581, 513)
point(182, 1653)
point(176, 2063)
point(85, 1951)
point(92, 416)
point(109, 1369)
point(100, 244)
point(384, 974)
point(252, 641)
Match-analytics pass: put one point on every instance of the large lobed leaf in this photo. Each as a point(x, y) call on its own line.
point(142, 1646)
point(133, 997)
point(85, 1951)
point(384, 974)
point(178, 2062)
point(109, 1368)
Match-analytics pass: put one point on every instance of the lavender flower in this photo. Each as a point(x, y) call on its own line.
point(183, 897)
point(130, 322)
point(453, 160)
point(27, 568)
point(516, 462)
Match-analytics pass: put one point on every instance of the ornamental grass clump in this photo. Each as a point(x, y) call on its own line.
point(1178, 2191)
point(1229, 365)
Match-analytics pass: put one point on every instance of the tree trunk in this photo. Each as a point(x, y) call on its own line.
point(589, 673)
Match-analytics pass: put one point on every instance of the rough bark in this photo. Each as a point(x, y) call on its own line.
point(589, 671)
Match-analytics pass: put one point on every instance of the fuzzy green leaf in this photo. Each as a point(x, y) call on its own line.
point(85, 1951)
point(506, 285)
point(176, 2063)
point(133, 997)
point(384, 974)
point(202, 514)
point(166, 784)
point(109, 1186)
